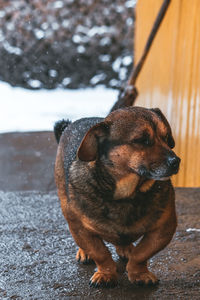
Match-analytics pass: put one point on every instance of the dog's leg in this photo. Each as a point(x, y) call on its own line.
point(83, 257)
point(150, 244)
point(124, 252)
point(93, 245)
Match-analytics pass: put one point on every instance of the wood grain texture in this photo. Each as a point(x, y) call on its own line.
point(170, 78)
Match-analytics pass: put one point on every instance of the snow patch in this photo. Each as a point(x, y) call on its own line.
point(81, 49)
point(122, 74)
point(117, 64)
point(97, 78)
point(2, 13)
point(38, 110)
point(99, 30)
point(114, 83)
point(58, 4)
point(129, 22)
point(66, 81)
point(127, 60)
point(12, 49)
point(53, 73)
point(130, 3)
point(34, 83)
point(55, 26)
point(105, 41)
point(39, 34)
point(105, 57)
point(193, 229)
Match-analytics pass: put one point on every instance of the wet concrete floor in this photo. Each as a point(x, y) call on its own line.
point(37, 253)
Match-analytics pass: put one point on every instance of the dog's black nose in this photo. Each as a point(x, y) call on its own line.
point(173, 162)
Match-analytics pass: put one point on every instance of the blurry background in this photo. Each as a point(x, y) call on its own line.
point(170, 78)
point(66, 43)
point(75, 53)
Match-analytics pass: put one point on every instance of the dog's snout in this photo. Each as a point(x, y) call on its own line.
point(173, 162)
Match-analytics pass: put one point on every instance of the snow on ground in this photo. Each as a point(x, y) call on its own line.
point(29, 110)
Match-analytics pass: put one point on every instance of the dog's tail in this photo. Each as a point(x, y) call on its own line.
point(59, 127)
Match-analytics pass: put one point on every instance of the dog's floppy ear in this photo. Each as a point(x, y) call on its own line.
point(88, 150)
point(159, 113)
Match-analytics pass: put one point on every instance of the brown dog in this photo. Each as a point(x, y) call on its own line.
point(113, 182)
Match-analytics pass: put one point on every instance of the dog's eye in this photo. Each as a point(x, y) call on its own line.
point(144, 140)
point(168, 139)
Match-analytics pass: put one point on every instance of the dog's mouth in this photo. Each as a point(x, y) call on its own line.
point(159, 171)
point(161, 178)
point(162, 173)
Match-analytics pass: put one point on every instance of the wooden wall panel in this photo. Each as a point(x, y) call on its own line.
point(170, 78)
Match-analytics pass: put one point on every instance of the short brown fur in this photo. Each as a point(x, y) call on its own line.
point(116, 188)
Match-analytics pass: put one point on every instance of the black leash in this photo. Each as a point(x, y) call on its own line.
point(129, 93)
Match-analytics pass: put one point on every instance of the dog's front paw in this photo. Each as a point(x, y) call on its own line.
point(82, 257)
point(146, 278)
point(100, 279)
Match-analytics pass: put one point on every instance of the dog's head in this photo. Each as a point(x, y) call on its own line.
point(133, 139)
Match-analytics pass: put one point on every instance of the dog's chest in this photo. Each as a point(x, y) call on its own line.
point(125, 219)
point(121, 224)
point(127, 212)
